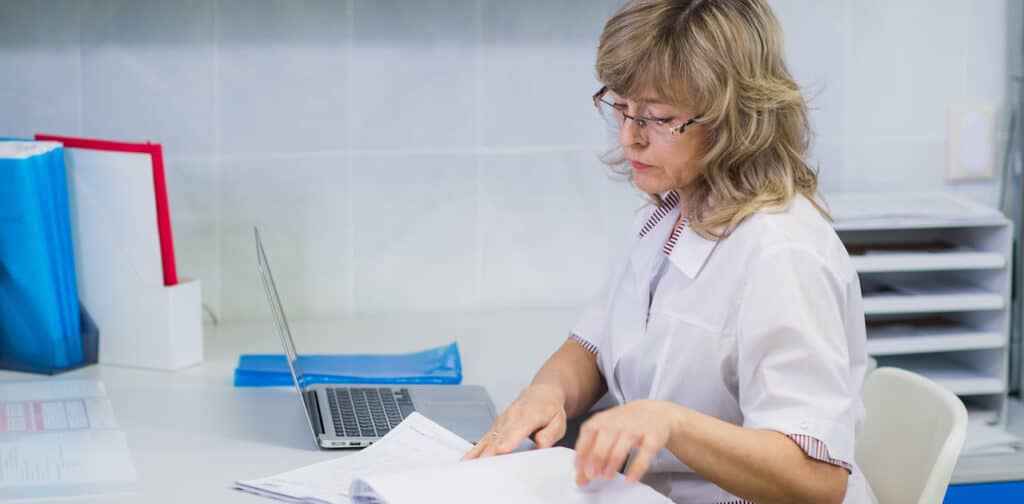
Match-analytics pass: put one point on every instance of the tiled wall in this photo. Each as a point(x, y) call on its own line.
point(411, 155)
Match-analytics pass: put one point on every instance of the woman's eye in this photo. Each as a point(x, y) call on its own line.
point(663, 120)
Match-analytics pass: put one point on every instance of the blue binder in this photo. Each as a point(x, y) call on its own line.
point(440, 365)
point(41, 329)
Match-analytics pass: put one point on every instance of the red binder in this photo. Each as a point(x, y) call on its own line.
point(163, 213)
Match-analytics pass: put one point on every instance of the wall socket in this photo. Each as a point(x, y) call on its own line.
point(970, 142)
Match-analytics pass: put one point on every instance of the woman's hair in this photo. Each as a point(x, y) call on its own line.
point(722, 59)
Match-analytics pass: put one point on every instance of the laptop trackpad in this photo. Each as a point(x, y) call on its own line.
point(469, 420)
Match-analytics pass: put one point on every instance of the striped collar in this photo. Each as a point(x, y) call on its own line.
point(687, 250)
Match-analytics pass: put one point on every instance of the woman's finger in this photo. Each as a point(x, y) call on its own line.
point(480, 445)
point(509, 439)
point(585, 442)
point(551, 433)
point(639, 465)
point(598, 457)
point(486, 439)
point(617, 455)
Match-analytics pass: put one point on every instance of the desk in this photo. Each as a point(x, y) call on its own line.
point(191, 433)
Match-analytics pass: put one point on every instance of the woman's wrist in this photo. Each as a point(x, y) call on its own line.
point(551, 388)
point(679, 418)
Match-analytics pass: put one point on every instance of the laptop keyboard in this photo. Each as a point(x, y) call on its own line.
point(367, 412)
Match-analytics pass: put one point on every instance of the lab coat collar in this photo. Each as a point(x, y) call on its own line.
point(691, 252)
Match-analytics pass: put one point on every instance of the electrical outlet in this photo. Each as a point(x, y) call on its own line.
point(970, 142)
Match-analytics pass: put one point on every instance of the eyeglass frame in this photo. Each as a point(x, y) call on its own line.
point(641, 121)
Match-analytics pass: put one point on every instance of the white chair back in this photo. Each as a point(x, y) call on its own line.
point(911, 437)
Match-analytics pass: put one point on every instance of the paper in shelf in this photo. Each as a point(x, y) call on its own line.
point(437, 366)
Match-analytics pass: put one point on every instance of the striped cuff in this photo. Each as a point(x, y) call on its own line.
point(817, 450)
point(592, 348)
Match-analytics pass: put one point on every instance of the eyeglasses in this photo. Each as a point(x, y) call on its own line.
point(662, 129)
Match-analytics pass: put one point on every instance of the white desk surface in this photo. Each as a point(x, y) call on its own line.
point(192, 433)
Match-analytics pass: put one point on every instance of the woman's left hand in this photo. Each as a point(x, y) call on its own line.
point(606, 439)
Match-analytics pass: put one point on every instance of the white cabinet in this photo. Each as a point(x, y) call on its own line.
point(935, 277)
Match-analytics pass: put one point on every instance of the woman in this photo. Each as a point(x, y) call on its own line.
point(731, 334)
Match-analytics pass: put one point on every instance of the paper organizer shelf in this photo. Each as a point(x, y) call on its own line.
point(124, 256)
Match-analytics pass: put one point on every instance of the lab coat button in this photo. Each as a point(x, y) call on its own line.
point(804, 425)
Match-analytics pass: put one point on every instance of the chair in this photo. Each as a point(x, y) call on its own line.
point(911, 436)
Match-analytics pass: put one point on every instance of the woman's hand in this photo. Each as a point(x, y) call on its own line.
point(607, 438)
point(539, 408)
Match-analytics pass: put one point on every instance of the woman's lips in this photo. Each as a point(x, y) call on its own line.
point(637, 165)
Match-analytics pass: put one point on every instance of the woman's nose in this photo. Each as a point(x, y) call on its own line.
point(629, 134)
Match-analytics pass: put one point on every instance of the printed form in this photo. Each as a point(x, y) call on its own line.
point(59, 437)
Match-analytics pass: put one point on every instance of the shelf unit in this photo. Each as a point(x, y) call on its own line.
point(935, 278)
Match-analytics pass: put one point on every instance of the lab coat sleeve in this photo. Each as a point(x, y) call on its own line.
point(793, 362)
point(591, 328)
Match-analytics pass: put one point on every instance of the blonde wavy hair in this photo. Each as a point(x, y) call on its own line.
point(723, 59)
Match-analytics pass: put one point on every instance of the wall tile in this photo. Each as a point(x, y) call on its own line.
point(415, 234)
point(193, 188)
point(283, 75)
point(986, 73)
point(148, 73)
point(828, 158)
point(545, 229)
point(895, 165)
point(811, 50)
point(900, 79)
point(537, 72)
point(40, 79)
point(413, 74)
point(301, 207)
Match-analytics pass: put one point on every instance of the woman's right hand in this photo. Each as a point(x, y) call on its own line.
point(539, 408)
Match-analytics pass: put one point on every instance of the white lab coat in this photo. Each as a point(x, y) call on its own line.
point(764, 329)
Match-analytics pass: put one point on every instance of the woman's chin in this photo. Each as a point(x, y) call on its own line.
point(649, 184)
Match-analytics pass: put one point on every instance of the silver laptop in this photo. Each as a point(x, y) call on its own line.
point(353, 416)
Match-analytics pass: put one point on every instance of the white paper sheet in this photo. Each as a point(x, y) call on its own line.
point(418, 462)
point(417, 441)
point(531, 477)
point(59, 438)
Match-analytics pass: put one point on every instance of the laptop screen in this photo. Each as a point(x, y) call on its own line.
point(281, 324)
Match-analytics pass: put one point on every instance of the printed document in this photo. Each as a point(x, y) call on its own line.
point(58, 437)
point(418, 462)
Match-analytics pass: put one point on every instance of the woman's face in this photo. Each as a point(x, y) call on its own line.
point(660, 161)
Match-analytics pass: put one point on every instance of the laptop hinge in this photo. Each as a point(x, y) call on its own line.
point(314, 410)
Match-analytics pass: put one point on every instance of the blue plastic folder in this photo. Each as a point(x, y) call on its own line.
point(40, 325)
point(439, 366)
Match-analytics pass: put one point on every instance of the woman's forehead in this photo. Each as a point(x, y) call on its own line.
point(646, 97)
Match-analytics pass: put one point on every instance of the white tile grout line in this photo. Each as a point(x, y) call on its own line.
point(847, 59)
point(967, 52)
point(477, 122)
point(349, 207)
point(429, 151)
point(218, 125)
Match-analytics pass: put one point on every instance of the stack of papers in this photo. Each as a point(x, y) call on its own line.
point(40, 328)
point(59, 438)
point(418, 462)
point(437, 366)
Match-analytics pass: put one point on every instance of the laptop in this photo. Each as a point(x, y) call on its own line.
point(354, 416)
